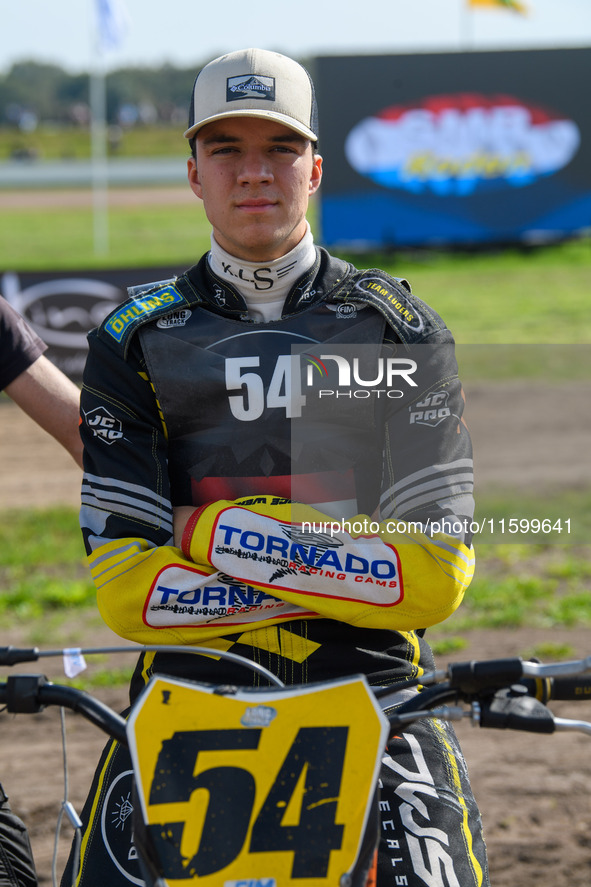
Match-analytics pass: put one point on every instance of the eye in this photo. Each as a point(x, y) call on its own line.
point(288, 150)
point(224, 149)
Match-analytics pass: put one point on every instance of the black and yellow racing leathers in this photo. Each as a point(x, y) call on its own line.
point(331, 474)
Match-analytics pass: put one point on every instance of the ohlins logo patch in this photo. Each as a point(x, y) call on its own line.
point(119, 322)
point(250, 86)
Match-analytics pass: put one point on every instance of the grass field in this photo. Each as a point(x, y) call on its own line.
point(511, 296)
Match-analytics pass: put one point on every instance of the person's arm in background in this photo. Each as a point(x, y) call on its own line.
point(52, 400)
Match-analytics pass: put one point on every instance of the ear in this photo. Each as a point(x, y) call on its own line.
point(193, 177)
point(316, 175)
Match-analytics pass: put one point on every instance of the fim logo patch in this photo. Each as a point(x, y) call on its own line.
point(346, 311)
point(104, 425)
point(432, 410)
point(250, 86)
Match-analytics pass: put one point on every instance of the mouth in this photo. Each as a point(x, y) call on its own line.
point(255, 204)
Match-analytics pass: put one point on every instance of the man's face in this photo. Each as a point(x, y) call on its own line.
point(255, 178)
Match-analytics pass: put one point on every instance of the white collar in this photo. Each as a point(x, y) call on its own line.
point(264, 285)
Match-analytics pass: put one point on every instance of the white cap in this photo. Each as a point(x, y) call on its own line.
point(255, 83)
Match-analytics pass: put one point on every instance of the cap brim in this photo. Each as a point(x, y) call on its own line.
point(284, 119)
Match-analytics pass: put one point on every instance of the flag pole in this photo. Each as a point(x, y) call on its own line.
point(466, 29)
point(111, 21)
point(99, 164)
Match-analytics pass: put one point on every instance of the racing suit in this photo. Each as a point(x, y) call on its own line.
point(331, 473)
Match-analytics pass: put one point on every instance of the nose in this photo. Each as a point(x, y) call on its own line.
point(255, 169)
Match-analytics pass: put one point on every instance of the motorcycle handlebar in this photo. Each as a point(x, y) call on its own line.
point(491, 684)
point(561, 689)
point(30, 693)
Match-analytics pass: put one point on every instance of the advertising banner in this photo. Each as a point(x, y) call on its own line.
point(454, 148)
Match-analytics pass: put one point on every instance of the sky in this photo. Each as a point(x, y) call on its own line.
point(189, 32)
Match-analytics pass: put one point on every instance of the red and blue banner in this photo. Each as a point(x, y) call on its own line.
point(458, 148)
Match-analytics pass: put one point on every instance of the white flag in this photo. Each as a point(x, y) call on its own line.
point(113, 23)
point(74, 662)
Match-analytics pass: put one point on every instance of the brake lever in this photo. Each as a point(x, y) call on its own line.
point(513, 710)
point(570, 724)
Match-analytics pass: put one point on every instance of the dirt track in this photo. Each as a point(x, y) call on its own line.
point(533, 791)
point(47, 200)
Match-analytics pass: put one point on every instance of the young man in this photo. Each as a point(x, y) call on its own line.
point(215, 464)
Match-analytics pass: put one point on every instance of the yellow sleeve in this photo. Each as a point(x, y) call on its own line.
point(376, 575)
point(154, 595)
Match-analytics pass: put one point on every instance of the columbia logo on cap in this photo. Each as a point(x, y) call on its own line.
point(249, 86)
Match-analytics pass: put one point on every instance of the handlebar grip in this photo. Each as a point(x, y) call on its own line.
point(570, 688)
point(545, 689)
point(13, 655)
point(30, 694)
point(474, 676)
point(21, 693)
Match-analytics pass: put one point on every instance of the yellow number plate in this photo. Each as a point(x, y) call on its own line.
point(256, 789)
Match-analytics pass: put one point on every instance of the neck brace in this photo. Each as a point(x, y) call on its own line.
point(264, 285)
